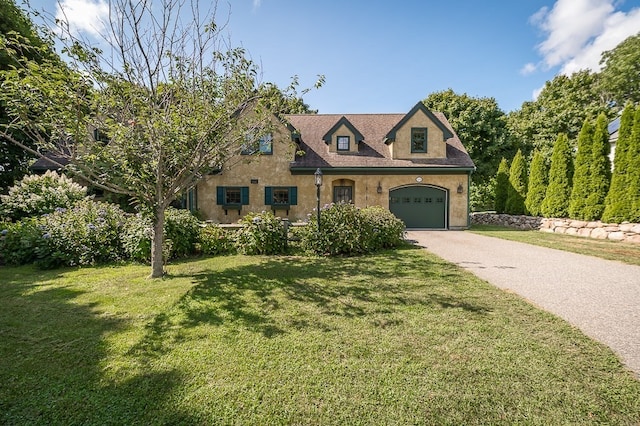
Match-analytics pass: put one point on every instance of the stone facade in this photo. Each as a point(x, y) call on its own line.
point(628, 232)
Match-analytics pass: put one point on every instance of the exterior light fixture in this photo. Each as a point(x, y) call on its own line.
point(318, 181)
point(460, 189)
point(379, 188)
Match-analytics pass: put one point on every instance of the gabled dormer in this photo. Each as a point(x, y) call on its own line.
point(343, 137)
point(419, 134)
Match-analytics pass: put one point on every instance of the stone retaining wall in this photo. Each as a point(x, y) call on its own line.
point(628, 232)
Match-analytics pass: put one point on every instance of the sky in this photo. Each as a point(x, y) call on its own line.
point(385, 56)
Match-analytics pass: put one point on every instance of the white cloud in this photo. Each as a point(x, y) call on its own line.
point(87, 16)
point(528, 69)
point(578, 31)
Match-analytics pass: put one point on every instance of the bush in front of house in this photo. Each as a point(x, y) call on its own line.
point(19, 240)
point(384, 229)
point(35, 195)
point(214, 241)
point(262, 233)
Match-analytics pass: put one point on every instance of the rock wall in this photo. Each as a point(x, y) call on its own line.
point(628, 232)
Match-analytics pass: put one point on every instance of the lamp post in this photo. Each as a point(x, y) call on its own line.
point(318, 180)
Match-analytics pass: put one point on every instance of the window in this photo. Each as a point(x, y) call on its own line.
point(342, 194)
point(264, 145)
point(232, 195)
point(343, 143)
point(281, 195)
point(418, 139)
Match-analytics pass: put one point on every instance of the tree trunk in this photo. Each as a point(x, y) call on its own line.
point(157, 261)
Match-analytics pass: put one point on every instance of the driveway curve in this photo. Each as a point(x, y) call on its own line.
point(600, 297)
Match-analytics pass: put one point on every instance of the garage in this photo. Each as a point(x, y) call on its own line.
point(420, 206)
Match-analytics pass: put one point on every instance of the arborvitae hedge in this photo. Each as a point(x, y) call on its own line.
point(581, 180)
point(634, 169)
point(502, 186)
point(517, 190)
point(599, 170)
point(618, 204)
point(537, 184)
point(556, 200)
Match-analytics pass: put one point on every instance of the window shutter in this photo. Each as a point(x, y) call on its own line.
point(268, 195)
point(293, 195)
point(219, 195)
point(244, 195)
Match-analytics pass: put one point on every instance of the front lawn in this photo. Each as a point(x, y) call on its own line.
point(397, 338)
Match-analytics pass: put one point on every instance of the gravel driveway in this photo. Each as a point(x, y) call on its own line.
point(601, 297)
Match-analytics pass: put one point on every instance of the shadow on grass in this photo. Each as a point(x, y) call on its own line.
point(52, 349)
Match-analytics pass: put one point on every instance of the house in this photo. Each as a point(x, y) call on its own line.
point(614, 128)
point(413, 164)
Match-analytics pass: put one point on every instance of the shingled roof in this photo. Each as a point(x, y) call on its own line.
point(372, 150)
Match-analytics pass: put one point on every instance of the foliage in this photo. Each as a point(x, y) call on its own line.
point(502, 186)
point(618, 204)
point(599, 170)
point(562, 106)
point(385, 230)
point(262, 233)
point(556, 200)
point(481, 126)
point(621, 68)
point(482, 195)
point(537, 188)
point(517, 190)
point(215, 240)
point(581, 179)
point(634, 169)
point(35, 195)
point(19, 240)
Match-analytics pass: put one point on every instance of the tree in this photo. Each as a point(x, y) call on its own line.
point(517, 190)
point(480, 124)
point(556, 200)
point(163, 106)
point(618, 203)
point(581, 179)
point(562, 106)
point(537, 184)
point(502, 186)
point(599, 170)
point(633, 177)
point(620, 76)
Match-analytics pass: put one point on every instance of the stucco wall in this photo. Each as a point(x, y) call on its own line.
point(436, 146)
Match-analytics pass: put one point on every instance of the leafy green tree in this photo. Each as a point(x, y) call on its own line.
point(517, 190)
point(620, 73)
point(537, 184)
point(480, 124)
point(502, 186)
point(618, 204)
point(562, 106)
point(556, 200)
point(633, 177)
point(581, 178)
point(149, 118)
point(599, 170)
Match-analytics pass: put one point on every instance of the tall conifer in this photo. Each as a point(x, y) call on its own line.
point(502, 186)
point(634, 169)
point(581, 181)
point(618, 204)
point(556, 200)
point(517, 190)
point(537, 184)
point(599, 170)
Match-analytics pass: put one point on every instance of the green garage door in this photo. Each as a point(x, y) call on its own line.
point(420, 206)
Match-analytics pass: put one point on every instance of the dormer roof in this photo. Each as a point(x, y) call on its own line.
point(391, 136)
point(342, 122)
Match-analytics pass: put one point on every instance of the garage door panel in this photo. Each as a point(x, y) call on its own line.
point(420, 206)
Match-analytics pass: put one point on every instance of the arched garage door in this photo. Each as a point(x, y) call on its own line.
point(420, 206)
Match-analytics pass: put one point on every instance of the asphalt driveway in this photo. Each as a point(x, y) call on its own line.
point(601, 297)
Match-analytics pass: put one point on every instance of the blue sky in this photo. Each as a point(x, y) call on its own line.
point(385, 56)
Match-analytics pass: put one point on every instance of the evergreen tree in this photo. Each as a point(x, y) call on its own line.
point(599, 170)
point(633, 177)
point(517, 190)
point(502, 186)
point(537, 184)
point(581, 181)
point(618, 204)
point(556, 200)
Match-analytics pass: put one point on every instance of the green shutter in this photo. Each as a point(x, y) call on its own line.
point(244, 195)
point(219, 195)
point(293, 195)
point(268, 195)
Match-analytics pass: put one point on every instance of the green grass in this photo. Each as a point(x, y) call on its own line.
point(605, 249)
point(397, 338)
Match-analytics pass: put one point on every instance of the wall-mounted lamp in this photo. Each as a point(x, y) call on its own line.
point(460, 189)
point(379, 188)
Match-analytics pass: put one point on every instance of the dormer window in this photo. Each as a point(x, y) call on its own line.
point(418, 139)
point(343, 143)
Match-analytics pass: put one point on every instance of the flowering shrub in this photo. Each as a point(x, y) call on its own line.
point(214, 240)
point(385, 230)
point(18, 241)
point(262, 233)
point(39, 194)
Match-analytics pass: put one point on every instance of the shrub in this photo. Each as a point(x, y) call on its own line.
point(262, 233)
point(482, 196)
point(502, 187)
point(341, 231)
point(537, 185)
point(136, 238)
point(35, 195)
point(517, 190)
point(18, 241)
point(214, 240)
point(383, 229)
point(556, 198)
point(581, 179)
